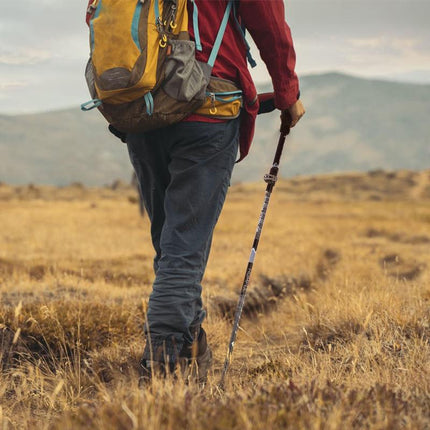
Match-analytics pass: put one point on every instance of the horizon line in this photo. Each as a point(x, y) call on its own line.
point(257, 83)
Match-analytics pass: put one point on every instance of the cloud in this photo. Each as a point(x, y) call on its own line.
point(11, 85)
point(24, 56)
point(47, 45)
point(388, 54)
point(376, 55)
point(8, 89)
point(385, 44)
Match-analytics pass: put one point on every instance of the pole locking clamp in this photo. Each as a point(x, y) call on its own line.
point(270, 179)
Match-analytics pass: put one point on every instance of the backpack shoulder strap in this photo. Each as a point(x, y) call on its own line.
point(196, 26)
point(220, 35)
point(242, 31)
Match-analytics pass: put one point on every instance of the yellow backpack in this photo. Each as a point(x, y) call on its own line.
point(142, 73)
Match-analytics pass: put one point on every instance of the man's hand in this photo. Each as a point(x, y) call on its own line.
point(297, 110)
point(291, 116)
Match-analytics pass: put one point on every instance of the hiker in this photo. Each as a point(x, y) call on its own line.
point(184, 169)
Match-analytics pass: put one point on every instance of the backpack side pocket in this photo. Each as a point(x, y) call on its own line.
point(185, 78)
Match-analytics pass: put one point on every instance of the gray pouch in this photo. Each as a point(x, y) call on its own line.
point(186, 78)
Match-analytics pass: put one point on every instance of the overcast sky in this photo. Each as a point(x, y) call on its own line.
point(44, 46)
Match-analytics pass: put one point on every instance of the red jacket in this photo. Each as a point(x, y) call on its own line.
point(265, 22)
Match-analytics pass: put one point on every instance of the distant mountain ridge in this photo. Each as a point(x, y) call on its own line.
point(351, 124)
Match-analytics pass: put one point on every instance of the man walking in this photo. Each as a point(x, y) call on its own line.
point(184, 172)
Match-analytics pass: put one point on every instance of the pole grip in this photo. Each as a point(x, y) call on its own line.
point(286, 121)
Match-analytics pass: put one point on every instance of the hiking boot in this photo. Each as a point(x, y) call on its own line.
point(196, 359)
point(193, 362)
point(155, 367)
point(152, 367)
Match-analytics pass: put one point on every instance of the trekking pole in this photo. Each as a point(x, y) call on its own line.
point(270, 179)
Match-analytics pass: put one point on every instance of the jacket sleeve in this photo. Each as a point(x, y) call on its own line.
point(264, 19)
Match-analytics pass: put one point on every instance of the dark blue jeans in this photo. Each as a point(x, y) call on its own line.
point(183, 171)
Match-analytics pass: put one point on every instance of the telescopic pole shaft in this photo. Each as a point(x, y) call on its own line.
point(270, 179)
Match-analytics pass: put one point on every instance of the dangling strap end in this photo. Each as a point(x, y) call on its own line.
point(251, 60)
point(242, 32)
point(149, 101)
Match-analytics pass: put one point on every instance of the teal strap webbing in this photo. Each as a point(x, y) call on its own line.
point(157, 12)
point(149, 101)
point(220, 34)
point(241, 29)
point(96, 14)
point(91, 104)
point(135, 25)
point(196, 26)
point(148, 106)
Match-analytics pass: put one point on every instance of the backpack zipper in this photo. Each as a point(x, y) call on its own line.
point(219, 96)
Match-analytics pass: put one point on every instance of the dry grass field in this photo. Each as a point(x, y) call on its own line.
point(336, 330)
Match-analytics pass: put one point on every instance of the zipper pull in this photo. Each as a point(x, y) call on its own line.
point(213, 109)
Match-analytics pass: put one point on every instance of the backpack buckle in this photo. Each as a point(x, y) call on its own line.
point(94, 103)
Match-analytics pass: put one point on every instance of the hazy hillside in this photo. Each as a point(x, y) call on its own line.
point(351, 124)
point(59, 148)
